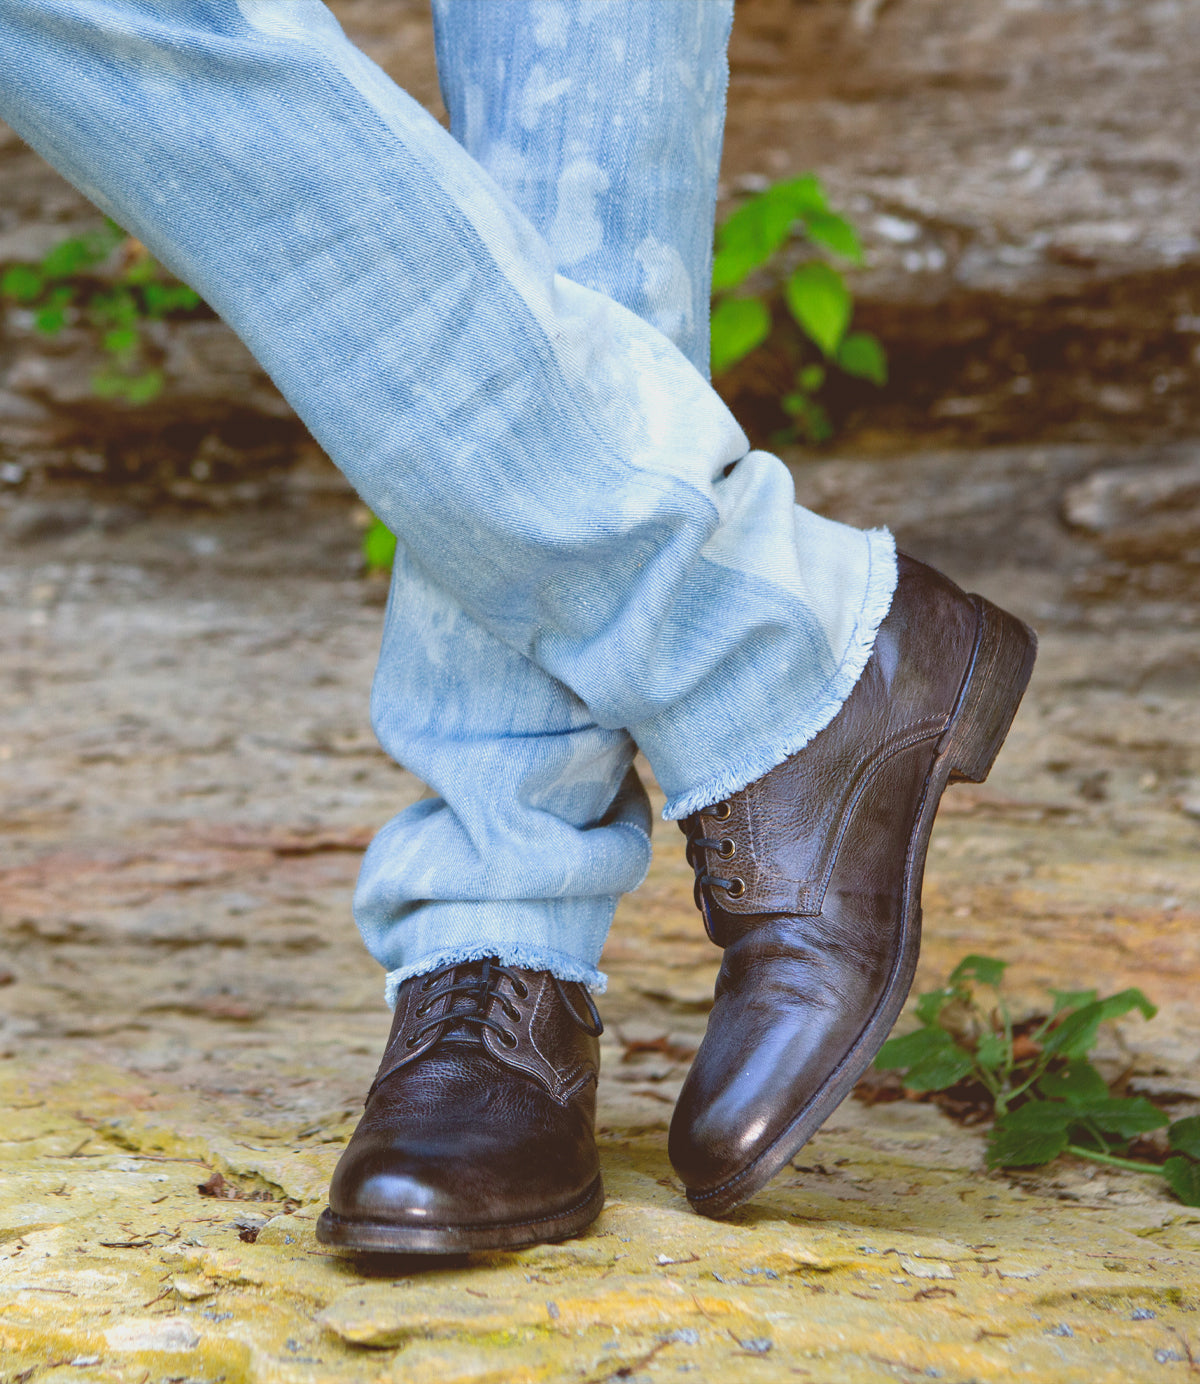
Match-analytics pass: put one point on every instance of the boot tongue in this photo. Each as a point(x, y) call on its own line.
point(468, 1002)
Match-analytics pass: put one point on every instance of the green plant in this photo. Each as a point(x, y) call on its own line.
point(378, 546)
point(67, 287)
point(815, 294)
point(1045, 1095)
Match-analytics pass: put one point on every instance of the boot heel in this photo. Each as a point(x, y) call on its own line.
point(1005, 649)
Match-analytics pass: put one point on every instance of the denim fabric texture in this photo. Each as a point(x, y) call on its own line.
point(500, 335)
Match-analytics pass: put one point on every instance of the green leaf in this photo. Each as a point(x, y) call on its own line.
point(932, 1058)
point(738, 326)
point(752, 234)
point(22, 282)
point(987, 970)
point(939, 1070)
point(118, 308)
point(931, 1004)
point(992, 1050)
point(121, 341)
point(835, 233)
point(1076, 1035)
point(862, 356)
point(156, 298)
point(820, 302)
point(1072, 999)
point(1184, 1135)
point(811, 378)
point(810, 417)
point(1183, 1178)
point(915, 1047)
point(1124, 1117)
point(802, 197)
point(50, 320)
point(67, 258)
point(733, 265)
point(1079, 1083)
point(1040, 1114)
point(1116, 1005)
point(70, 257)
point(108, 384)
point(379, 547)
point(137, 389)
point(1032, 1135)
point(162, 298)
point(144, 388)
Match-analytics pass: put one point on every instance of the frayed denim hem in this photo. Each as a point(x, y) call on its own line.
point(528, 958)
point(877, 601)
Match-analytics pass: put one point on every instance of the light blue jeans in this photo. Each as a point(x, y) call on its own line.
point(500, 336)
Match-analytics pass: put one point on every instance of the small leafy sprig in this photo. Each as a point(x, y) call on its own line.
point(815, 294)
point(67, 287)
point(378, 547)
point(1046, 1096)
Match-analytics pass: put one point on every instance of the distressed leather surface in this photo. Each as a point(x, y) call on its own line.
point(786, 826)
point(463, 1129)
point(822, 843)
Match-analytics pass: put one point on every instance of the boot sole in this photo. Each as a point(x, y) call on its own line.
point(381, 1237)
point(995, 681)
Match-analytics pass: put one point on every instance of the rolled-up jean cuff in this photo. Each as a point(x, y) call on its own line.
point(518, 932)
point(771, 750)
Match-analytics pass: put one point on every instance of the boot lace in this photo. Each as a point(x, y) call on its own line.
point(723, 847)
point(483, 988)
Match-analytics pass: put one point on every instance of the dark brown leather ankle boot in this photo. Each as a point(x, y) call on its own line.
point(810, 879)
point(478, 1130)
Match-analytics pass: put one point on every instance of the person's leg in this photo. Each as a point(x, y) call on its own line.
point(827, 848)
point(556, 467)
point(625, 194)
point(529, 818)
point(551, 461)
point(603, 123)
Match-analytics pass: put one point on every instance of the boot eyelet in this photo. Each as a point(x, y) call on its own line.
point(427, 984)
point(721, 811)
point(727, 849)
point(508, 1039)
point(411, 1041)
point(522, 990)
point(510, 1011)
point(424, 1009)
point(736, 888)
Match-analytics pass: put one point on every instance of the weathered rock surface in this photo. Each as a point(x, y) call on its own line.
point(1025, 174)
point(187, 780)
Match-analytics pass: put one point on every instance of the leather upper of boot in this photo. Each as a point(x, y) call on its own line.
point(483, 1107)
point(801, 879)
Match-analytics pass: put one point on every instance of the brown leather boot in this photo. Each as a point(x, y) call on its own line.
point(478, 1130)
point(810, 879)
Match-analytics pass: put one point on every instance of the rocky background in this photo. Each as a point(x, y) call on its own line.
point(1025, 174)
point(187, 780)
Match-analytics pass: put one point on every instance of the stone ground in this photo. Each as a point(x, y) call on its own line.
point(187, 778)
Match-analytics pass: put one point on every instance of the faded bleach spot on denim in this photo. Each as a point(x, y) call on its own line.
point(525, 407)
point(540, 91)
point(576, 230)
point(551, 24)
